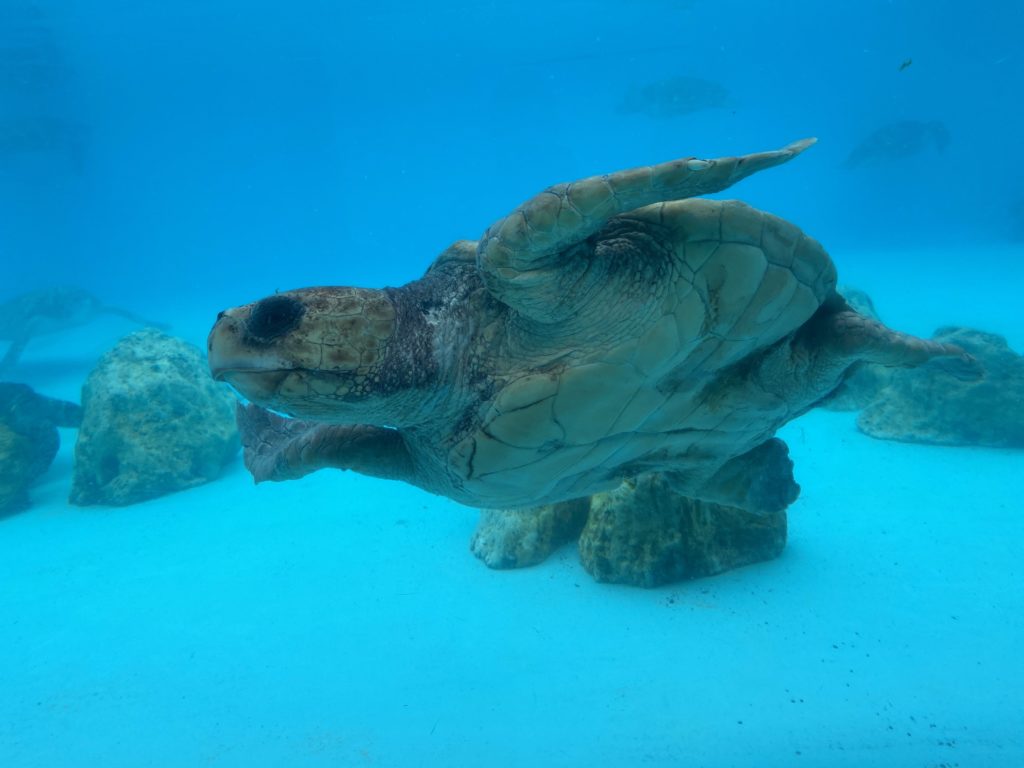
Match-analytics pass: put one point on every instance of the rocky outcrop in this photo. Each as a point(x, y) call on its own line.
point(936, 403)
point(645, 534)
point(642, 534)
point(28, 440)
point(940, 402)
point(154, 423)
point(516, 538)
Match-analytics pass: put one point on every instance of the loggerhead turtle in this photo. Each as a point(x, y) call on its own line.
point(605, 329)
point(896, 141)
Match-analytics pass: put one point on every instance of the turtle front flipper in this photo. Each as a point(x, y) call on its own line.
point(521, 255)
point(278, 449)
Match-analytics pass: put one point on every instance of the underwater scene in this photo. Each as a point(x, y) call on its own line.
point(539, 384)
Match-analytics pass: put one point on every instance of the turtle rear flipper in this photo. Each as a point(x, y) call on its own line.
point(521, 255)
point(806, 368)
point(845, 337)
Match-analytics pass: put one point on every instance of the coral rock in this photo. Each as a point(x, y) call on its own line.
point(154, 423)
point(515, 538)
point(935, 403)
point(645, 534)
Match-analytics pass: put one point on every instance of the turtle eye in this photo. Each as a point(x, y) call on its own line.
point(274, 316)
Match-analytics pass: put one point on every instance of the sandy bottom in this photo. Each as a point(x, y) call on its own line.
point(341, 621)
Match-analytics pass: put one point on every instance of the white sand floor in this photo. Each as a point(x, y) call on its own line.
point(341, 621)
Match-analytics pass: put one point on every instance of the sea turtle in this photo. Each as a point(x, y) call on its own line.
point(895, 141)
point(51, 310)
point(45, 136)
point(605, 329)
point(675, 97)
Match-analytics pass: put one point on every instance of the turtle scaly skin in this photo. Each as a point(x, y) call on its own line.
point(605, 329)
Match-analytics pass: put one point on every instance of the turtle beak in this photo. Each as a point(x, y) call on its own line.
point(229, 348)
point(255, 374)
point(224, 349)
point(249, 338)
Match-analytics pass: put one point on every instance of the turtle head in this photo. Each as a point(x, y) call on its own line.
point(327, 354)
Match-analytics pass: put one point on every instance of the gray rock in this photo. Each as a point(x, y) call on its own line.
point(938, 404)
point(645, 534)
point(516, 538)
point(155, 423)
point(28, 440)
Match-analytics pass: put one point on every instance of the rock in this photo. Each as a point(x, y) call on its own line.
point(516, 538)
point(865, 380)
point(645, 534)
point(28, 440)
point(20, 459)
point(155, 423)
point(936, 403)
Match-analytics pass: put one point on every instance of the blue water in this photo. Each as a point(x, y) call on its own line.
point(209, 153)
point(264, 145)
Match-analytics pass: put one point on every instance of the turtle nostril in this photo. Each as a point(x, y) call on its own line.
point(220, 315)
point(274, 316)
